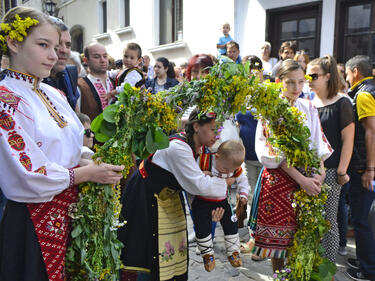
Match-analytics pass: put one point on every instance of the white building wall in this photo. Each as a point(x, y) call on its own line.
point(36, 4)
point(251, 22)
point(202, 20)
point(328, 27)
point(201, 26)
point(81, 12)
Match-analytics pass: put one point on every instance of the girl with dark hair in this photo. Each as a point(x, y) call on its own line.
point(164, 76)
point(337, 118)
point(40, 150)
point(276, 218)
point(155, 234)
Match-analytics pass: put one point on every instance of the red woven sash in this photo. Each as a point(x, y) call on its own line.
point(52, 227)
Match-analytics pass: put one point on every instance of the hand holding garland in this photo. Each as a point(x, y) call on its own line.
point(311, 185)
point(102, 173)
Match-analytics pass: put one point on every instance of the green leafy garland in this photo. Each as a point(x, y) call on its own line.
point(228, 89)
point(139, 123)
point(134, 124)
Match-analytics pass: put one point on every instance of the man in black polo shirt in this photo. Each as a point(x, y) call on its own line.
point(362, 166)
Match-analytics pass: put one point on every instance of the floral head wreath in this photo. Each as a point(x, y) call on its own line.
point(198, 115)
point(206, 115)
point(15, 30)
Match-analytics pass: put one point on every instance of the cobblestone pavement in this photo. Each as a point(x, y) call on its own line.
point(251, 270)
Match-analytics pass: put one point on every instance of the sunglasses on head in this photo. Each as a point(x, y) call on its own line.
point(314, 76)
point(88, 132)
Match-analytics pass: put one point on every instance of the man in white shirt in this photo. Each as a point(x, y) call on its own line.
point(96, 88)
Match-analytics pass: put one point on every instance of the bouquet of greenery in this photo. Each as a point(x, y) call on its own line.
point(139, 122)
point(230, 88)
point(135, 124)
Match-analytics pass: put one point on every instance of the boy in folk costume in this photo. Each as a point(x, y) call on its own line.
point(132, 73)
point(225, 163)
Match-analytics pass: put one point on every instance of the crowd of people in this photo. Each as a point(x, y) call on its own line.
point(49, 95)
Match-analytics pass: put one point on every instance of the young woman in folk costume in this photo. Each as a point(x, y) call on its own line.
point(155, 235)
point(40, 150)
point(276, 220)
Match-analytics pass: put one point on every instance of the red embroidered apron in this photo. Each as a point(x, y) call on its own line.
point(276, 220)
point(52, 227)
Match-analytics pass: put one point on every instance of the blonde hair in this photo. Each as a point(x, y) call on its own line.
point(225, 25)
point(232, 150)
point(23, 13)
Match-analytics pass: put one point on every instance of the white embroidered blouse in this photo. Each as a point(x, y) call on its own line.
point(266, 154)
point(40, 138)
point(179, 160)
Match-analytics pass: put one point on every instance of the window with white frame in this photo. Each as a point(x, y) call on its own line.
point(9, 4)
point(358, 30)
point(125, 13)
point(103, 16)
point(170, 21)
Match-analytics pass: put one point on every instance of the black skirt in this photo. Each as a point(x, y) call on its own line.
point(20, 255)
point(140, 211)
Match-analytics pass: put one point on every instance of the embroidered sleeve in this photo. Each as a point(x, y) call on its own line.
point(267, 155)
point(30, 176)
point(178, 159)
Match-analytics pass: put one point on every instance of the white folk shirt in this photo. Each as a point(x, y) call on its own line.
point(242, 183)
point(179, 160)
point(132, 78)
point(318, 140)
point(101, 88)
point(36, 149)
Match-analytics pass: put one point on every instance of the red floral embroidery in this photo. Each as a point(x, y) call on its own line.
point(56, 223)
point(266, 133)
point(26, 161)
point(41, 170)
point(6, 121)
point(7, 96)
point(16, 141)
point(268, 208)
point(52, 227)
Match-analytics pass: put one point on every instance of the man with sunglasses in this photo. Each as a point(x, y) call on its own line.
point(362, 166)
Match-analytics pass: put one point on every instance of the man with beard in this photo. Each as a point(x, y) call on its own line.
point(96, 88)
point(64, 77)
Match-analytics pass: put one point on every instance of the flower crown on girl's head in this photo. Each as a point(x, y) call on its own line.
point(15, 30)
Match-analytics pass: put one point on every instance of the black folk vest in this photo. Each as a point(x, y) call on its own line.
point(358, 161)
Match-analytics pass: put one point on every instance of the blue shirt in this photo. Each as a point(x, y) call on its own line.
point(248, 126)
point(223, 40)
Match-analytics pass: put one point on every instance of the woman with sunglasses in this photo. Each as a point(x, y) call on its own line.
point(337, 119)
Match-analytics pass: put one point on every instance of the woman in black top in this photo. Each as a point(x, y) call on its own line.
point(336, 116)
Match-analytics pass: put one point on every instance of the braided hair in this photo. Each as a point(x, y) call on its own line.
point(196, 116)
